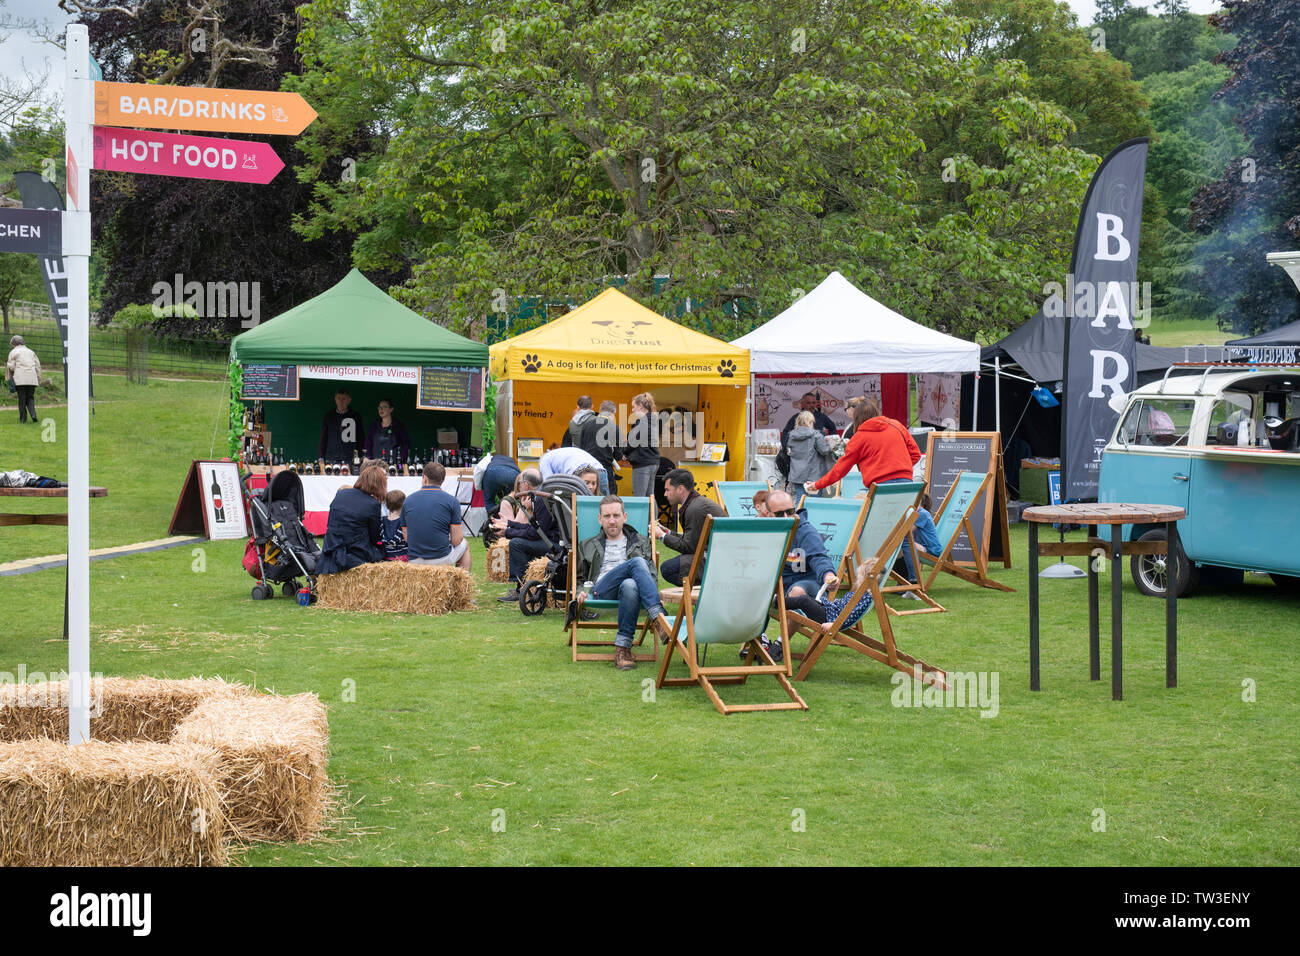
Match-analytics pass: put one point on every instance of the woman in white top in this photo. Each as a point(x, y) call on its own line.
point(23, 371)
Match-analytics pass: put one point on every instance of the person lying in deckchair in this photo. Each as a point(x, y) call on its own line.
point(822, 610)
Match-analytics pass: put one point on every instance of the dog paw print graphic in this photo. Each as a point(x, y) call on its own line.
point(727, 368)
point(531, 362)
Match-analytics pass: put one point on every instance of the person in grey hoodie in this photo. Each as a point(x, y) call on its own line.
point(811, 453)
point(581, 415)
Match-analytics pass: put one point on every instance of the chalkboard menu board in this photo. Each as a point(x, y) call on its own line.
point(270, 383)
point(949, 454)
point(445, 388)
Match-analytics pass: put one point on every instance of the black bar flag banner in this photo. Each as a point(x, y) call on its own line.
point(1101, 298)
point(38, 193)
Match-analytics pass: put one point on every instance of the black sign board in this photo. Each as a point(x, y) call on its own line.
point(270, 383)
point(35, 231)
point(444, 388)
point(949, 454)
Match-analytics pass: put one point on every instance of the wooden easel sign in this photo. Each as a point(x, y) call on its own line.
point(211, 502)
point(948, 454)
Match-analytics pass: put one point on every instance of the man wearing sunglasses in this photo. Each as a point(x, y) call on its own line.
point(807, 566)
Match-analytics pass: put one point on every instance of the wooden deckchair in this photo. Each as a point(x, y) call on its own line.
point(586, 523)
point(850, 486)
point(901, 501)
point(737, 497)
point(952, 518)
point(885, 506)
point(738, 566)
point(836, 520)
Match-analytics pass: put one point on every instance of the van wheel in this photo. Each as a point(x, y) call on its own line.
point(1286, 583)
point(1151, 572)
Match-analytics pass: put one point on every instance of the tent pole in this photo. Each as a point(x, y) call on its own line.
point(997, 393)
point(750, 460)
point(975, 409)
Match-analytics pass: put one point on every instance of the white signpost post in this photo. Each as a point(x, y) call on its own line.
point(76, 250)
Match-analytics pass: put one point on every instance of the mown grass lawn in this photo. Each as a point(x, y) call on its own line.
point(478, 718)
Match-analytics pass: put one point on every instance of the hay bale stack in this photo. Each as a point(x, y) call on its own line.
point(498, 561)
point(536, 571)
point(110, 804)
point(122, 709)
point(273, 753)
point(397, 586)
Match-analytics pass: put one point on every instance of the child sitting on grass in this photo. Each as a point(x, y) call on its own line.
point(394, 541)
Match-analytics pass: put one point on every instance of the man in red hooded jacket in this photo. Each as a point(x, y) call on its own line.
point(883, 451)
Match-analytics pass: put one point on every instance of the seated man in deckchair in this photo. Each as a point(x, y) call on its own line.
point(809, 566)
point(621, 564)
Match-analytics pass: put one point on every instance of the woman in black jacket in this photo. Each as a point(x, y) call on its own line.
point(354, 529)
point(641, 450)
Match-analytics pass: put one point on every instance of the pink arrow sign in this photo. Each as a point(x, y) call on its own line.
point(195, 157)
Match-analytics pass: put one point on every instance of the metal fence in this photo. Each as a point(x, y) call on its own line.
point(155, 355)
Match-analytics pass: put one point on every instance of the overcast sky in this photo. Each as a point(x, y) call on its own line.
point(23, 51)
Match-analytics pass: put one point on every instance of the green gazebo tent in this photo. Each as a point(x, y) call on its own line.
point(355, 321)
point(351, 325)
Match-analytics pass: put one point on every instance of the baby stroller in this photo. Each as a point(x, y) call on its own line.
point(555, 495)
point(281, 550)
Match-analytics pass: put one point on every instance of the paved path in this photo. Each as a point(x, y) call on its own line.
point(28, 565)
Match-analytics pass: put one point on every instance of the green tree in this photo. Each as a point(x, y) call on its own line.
point(1253, 208)
point(735, 151)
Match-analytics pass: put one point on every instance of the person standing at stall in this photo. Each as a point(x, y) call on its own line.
point(641, 448)
point(883, 451)
point(341, 430)
point(387, 438)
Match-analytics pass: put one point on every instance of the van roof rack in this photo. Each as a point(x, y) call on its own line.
point(1226, 366)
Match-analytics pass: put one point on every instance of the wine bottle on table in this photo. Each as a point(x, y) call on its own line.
point(356, 462)
point(392, 465)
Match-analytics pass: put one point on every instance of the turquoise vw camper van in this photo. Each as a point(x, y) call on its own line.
point(1223, 443)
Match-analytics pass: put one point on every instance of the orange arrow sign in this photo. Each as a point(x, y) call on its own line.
point(197, 107)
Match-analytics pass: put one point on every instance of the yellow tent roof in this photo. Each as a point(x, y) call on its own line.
point(613, 337)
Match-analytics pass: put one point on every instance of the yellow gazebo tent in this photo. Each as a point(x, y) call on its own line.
point(612, 348)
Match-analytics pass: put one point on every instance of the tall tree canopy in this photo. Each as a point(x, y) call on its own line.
point(739, 149)
point(152, 227)
point(1253, 208)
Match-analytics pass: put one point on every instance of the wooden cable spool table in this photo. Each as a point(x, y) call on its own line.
point(59, 518)
point(1115, 515)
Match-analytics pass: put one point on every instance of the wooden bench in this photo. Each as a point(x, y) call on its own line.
point(57, 518)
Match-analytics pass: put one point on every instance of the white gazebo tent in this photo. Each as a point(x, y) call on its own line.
point(837, 329)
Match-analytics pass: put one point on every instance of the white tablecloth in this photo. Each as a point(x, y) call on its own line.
point(319, 490)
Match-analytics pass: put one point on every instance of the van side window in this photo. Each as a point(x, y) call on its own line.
point(1156, 422)
point(1230, 415)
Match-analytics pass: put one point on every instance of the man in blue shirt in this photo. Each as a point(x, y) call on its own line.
point(431, 522)
point(567, 461)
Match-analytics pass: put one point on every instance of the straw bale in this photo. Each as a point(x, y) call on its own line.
point(397, 586)
point(536, 571)
point(110, 804)
point(498, 561)
point(273, 754)
point(134, 709)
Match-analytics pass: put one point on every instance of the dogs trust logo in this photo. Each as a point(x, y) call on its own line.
point(532, 362)
point(727, 368)
point(621, 332)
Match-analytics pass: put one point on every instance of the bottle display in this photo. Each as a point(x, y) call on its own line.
point(219, 513)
